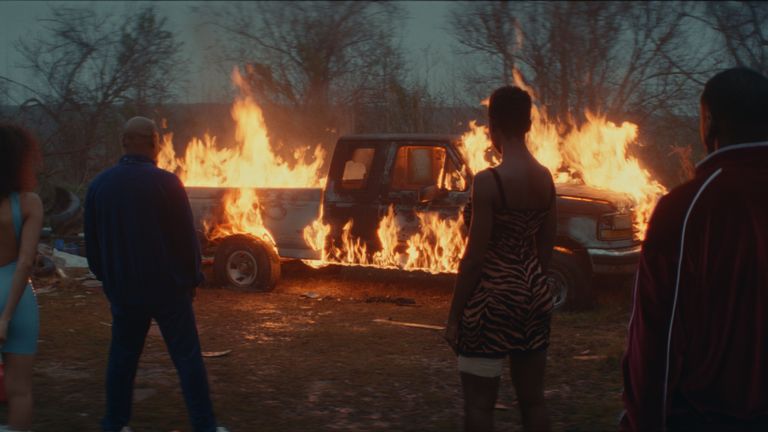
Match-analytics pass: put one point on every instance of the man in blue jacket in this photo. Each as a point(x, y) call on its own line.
point(142, 245)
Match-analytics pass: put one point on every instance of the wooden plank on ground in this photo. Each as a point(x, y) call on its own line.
point(409, 324)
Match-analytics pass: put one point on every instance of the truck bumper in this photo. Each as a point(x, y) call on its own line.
point(614, 261)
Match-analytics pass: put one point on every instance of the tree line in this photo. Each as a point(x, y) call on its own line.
point(320, 69)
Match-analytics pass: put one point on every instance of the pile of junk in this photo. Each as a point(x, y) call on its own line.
point(62, 244)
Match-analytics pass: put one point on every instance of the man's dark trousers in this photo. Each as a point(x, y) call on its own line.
point(177, 325)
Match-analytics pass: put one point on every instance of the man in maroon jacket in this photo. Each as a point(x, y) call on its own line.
point(697, 349)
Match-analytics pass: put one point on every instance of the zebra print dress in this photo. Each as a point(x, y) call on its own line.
point(511, 307)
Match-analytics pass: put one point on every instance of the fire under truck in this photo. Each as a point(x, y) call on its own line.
point(369, 174)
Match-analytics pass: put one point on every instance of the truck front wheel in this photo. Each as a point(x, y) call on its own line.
point(569, 282)
point(245, 262)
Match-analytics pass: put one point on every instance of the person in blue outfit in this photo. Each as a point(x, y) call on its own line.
point(141, 243)
point(21, 219)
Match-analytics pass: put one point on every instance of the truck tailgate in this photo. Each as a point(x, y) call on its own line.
point(285, 213)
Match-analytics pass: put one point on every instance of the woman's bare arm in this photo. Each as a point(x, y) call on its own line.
point(32, 215)
point(545, 238)
point(480, 229)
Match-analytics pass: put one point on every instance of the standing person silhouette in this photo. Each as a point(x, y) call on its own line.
point(141, 243)
point(21, 219)
point(502, 305)
point(697, 346)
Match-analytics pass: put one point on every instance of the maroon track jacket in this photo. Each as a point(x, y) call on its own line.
point(697, 348)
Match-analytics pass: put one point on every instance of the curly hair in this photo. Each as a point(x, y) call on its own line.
point(19, 159)
point(509, 110)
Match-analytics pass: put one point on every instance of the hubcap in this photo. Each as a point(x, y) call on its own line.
point(242, 268)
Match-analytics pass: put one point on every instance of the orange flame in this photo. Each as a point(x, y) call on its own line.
point(251, 163)
point(596, 153)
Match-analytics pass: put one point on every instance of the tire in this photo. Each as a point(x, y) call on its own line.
point(247, 263)
point(569, 280)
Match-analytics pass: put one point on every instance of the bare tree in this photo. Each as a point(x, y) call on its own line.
point(87, 72)
point(313, 64)
point(743, 30)
point(609, 57)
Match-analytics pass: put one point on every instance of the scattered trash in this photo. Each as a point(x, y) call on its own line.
point(67, 260)
point(408, 324)
point(400, 301)
point(88, 276)
point(92, 284)
point(44, 266)
point(216, 353)
point(44, 249)
point(585, 352)
point(45, 290)
point(79, 296)
point(105, 323)
point(590, 357)
point(311, 295)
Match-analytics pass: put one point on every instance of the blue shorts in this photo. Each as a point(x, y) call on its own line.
point(25, 324)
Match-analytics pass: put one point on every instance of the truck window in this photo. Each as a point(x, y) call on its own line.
point(453, 178)
point(418, 167)
point(357, 168)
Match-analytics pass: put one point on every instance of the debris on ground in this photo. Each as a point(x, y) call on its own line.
point(68, 260)
point(88, 276)
point(409, 324)
point(590, 357)
point(92, 284)
point(216, 353)
point(45, 290)
point(311, 295)
point(400, 301)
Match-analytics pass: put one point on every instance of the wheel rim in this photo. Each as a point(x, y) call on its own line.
point(558, 286)
point(242, 268)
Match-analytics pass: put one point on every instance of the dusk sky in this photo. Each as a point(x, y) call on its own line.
point(424, 28)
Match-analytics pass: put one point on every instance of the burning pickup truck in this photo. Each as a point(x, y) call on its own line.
point(396, 201)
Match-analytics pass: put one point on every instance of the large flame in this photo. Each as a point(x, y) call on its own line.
point(250, 163)
point(594, 153)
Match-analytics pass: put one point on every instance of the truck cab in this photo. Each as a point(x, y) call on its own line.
point(421, 173)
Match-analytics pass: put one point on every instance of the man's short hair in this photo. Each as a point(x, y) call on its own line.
point(737, 99)
point(509, 110)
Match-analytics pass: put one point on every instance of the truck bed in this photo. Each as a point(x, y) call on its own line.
point(286, 211)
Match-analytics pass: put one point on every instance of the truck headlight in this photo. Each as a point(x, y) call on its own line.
point(615, 226)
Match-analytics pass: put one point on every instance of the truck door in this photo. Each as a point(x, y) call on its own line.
point(353, 190)
point(425, 178)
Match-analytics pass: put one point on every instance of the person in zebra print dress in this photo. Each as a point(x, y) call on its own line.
point(501, 306)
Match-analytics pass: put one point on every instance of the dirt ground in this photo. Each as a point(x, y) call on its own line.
point(310, 357)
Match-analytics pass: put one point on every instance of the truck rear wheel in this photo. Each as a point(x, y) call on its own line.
point(569, 282)
point(245, 262)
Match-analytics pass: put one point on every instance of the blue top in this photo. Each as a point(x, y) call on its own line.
point(139, 234)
